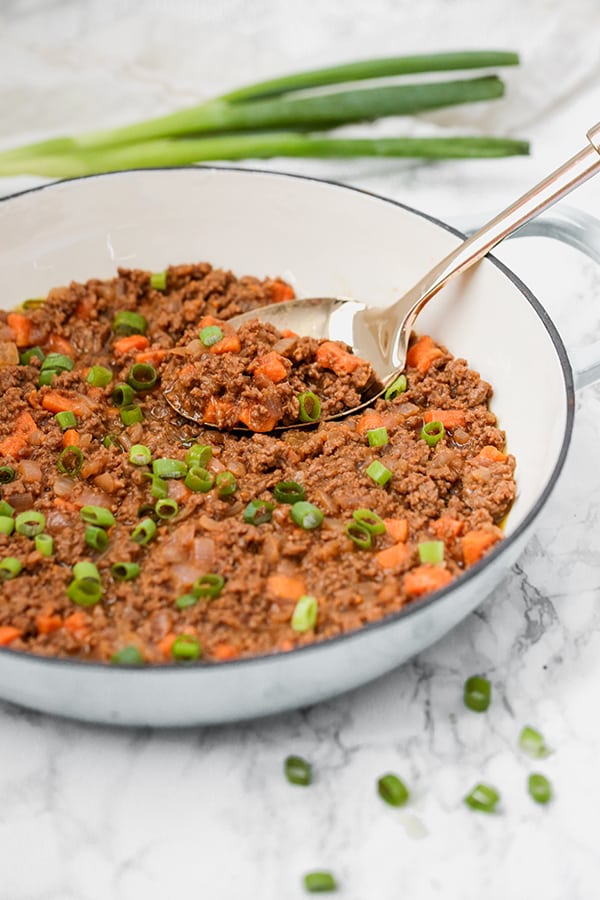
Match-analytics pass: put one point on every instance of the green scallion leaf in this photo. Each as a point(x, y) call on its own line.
point(158, 281)
point(44, 544)
point(533, 743)
point(379, 473)
point(392, 789)
point(210, 585)
point(128, 656)
point(144, 531)
point(127, 322)
point(125, 571)
point(310, 407)
point(483, 798)
point(539, 788)
point(210, 335)
point(258, 512)
point(97, 515)
point(140, 455)
point(432, 432)
point(297, 770)
point(66, 420)
point(477, 693)
point(369, 521)
point(70, 460)
point(166, 508)
point(169, 468)
point(305, 614)
point(7, 474)
point(30, 523)
point(397, 387)
point(131, 414)
point(431, 552)
point(199, 480)
point(185, 648)
point(378, 437)
point(10, 567)
point(289, 492)
point(142, 377)
point(99, 376)
point(306, 515)
point(319, 882)
point(226, 484)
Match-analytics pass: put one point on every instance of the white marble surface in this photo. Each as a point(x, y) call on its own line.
point(90, 813)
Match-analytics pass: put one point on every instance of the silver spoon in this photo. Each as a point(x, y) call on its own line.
point(381, 336)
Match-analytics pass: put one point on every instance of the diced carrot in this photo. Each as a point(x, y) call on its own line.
point(446, 527)
point(165, 644)
point(450, 418)
point(8, 634)
point(281, 291)
point(84, 308)
point(228, 344)
point(397, 528)
point(55, 343)
point(76, 623)
point(286, 587)
point(12, 445)
point(331, 356)
point(286, 645)
point(287, 333)
point(225, 651)
point(20, 326)
point(491, 454)
point(392, 556)
point(47, 624)
point(131, 342)
point(55, 402)
point(368, 421)
point(422, 354)
point(271, 366)
point(207, 321)
point(259, 418)
point(475, 543)
point(25, 423)
point(71, 438)
point(425, 579)
point(153, 356)
point(215, 410)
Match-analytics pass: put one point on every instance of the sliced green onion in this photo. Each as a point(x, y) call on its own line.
point(306, 515)
point(7, 525)
point(125, 571)
point(369, 520)
point(186, 647)
point(7, 474)
point(533, 743)
point(27, 355)
point(310, 407)
point(297, 770)
point(46, 378)
point(319, 882)
point(131, 414)
point(210, 585)
point(6, 509)
point(33, 302)
point(127, 656)
point(86, 571)
point(185, 601)
point(359, 535)
point(96, 538)
point(289, 492)
point(305, 614)
point(44, 544)
point(210, 335)
point(258, 512)
point(483, 798)
point(85, 591)
point(396, 388)
point(432, 432)
point(140, 455)
point(123, 394)
point(539, 788)
point(431, 552)
point(166, 508)
point(127, 322)
point(378, 472)
point(159, 487)
point(477, 693)
point(10, 567)
point(70, 460)
point(199, 480)
point(142, 376)
point(147, 509)
point(378, 437)
point(144, 532)
point(111, 440)
point(99, 376)
point(158, 281)
point(169, 468)
point(30, 523)
point(226, 484)
point(97, 515)
point(393, 790)
point(57, 362)
point(66, 420)
point(199, 455)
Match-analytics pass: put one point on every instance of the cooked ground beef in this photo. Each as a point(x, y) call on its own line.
point(388, 512)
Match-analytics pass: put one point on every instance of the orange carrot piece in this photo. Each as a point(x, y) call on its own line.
point(25, 423)
point(71, 438)
point(450, 418)
point(55, 343)
point(165, 644)
point(47, 624)
point(271, 366)
point(422, 354)
point(331, 356)
point(368, 421)
point(55, 402)
point(207, 321)
point(225, 651)
point(475, 543)
point(392, 556)
point(425, 579)
point(228, 344)
point(214, 410)
point(260, 420)
point(153, 356)
point(281, 291)
point(131, 342)
point(397, 528)
point(12, 445)
point(491, 454)
point(20, 326)
point(286, 645)
point(286, 587)
point(287, 333)
point(76, 623)
point(8, 634)
point(446, 527)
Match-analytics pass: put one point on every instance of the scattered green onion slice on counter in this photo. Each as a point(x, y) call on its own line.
point(96, 538)
point(125, 571)
point(186, 647)
point(158, 280)
point(226, 484)
point(166, 508)
point(310, 407)
point(7, 474)
point(97, 515)
point(123, 394)
point(477, 693)
point(258, 512)
point(378, 472)
point(431, 552)
point(392, 789)
point(131, 414)
point(66, 420)
point(297, 770)
point(7, 525)
point(27, 355)
point(6, 509)
point(378, 437)
point(533, 743)
point(432, 432)
point(539, 788)
point(289, 492)
point(306, 515)
point(127, 322)
point(199, 455)
point(369, 521)
point(483, 798)
point(210, 585)
point(44, 544)
point(140, 455)
point(169, 468)
point(359, 535)
point(99, 376)
point(127, 656)
point(305, 614)
point(86, 570)
point(144, 531)
point(30, 523)
point(210, 335)
point(10, 567)
point(319, 882)
point(142, 377)
point(70, 460)
point(199, 480)
point(57, 362)
point(397, 387)
point(185, 601)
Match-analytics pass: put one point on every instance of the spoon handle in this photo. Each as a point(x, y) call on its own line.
point(562, 181)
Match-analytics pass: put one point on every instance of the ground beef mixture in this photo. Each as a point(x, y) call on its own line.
point(200, 543)
point(257, 377)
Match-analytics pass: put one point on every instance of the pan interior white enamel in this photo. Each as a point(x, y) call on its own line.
point(328, 241)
